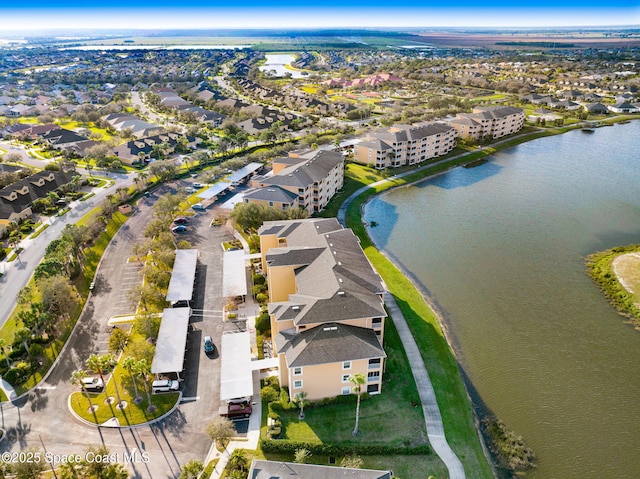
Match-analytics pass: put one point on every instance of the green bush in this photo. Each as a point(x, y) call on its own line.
point(269, 394)
point(322, 449)
point(273, 382)
point(263, 321)
point(262, 298)
point(258, 279)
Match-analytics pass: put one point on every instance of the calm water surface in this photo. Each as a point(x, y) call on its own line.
point(501, 248)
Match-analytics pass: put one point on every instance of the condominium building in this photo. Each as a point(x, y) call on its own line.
point(405, 145)
point(493, 121)
point(307, 178)
point(326, 307)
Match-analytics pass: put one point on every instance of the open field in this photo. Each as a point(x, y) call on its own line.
point(627, 269)
point(532, 40)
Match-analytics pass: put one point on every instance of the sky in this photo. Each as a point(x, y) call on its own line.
point(209, 14)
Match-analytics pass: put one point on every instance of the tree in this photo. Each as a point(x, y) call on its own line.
point(191, 470)
point(358, 380)
point(23, 335)
point(301, 456)
point(300, 400)
point(221, 430)
point(76, 379)
point(100, 365)
point(118, 340)
point(131, 366)
point(28, 469)
point(3, 345)
point(90, 468)
point(59, 295)
point(143, 370)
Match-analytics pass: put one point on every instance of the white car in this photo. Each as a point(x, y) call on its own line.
point(165, 385)
point(92, 384)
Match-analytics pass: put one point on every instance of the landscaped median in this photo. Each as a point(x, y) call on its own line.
point(105, 406)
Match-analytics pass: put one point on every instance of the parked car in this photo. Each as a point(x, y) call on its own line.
point(198, 185)
point(190, 189)
point(198, 207)
point(209, 347)
point(164, 385)
point(181, 220)
point(179, 229)
point(236, 410)
point(93, 384)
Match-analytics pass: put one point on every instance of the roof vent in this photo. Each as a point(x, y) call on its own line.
point(296, 308)
point(341, 293)
point(332, 328)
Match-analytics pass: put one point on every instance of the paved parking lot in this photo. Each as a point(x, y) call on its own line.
point(43, 415)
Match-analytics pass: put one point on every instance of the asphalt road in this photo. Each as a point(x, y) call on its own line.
point(17, 273)
point(42, 417)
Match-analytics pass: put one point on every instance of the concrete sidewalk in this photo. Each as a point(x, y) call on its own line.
point(8, 390)
point(432, 417)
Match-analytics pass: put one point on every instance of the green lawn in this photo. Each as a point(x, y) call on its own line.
point(130, 415)
point(394, 411)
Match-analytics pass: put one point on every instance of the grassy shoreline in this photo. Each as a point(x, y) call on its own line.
point(600, 268)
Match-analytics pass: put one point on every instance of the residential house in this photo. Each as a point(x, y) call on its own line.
point(286, 470)
point(405, 145)
point(494, 121)
point(624, 107)
point(138, 127)
point(325, 305)
point(314, 176)
point(16, 199)
point(136, 151)
point(596, 109)
point(544, 114)
point(62, 136)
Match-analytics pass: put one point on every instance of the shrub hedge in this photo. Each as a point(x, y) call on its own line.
point(289, 447)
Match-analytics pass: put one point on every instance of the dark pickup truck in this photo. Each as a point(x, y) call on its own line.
point(233, 411)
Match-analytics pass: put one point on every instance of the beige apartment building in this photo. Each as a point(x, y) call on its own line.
point(326, 307)
point(307, 179)
point(405, 145)
point(494, 121)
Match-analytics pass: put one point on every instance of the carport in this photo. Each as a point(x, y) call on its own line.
point(183, 276)
point(234, 274)
point(243, 173)
point(168, 360)
point(236, 381)
point(215, 190)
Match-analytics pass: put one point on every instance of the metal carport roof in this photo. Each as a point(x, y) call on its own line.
point(235, 371)
point(234, 274)
point(183, 275)
point(172, 341)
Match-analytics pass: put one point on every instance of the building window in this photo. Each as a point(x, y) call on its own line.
point(297, 371)
point(346, 390)
point(373, 388)
point(345, 378)
point(374, 363)
point(297, 384)
point(346, 365)
point(373, 376)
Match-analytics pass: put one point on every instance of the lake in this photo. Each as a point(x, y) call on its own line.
point(500, 249)
point(275, 66)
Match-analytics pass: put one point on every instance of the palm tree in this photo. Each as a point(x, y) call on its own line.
point(143, 370)
point(23, 335)
point(89, 167)
point(4, 351)
point(100, 364)
point(300, 397)
point(358, 380)
point(130, 365)
point(76, 379)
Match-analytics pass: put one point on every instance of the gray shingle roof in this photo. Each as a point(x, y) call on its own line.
point(329, 343)
point(272, 193)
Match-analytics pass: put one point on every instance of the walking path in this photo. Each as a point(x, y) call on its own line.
point(432, 417)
